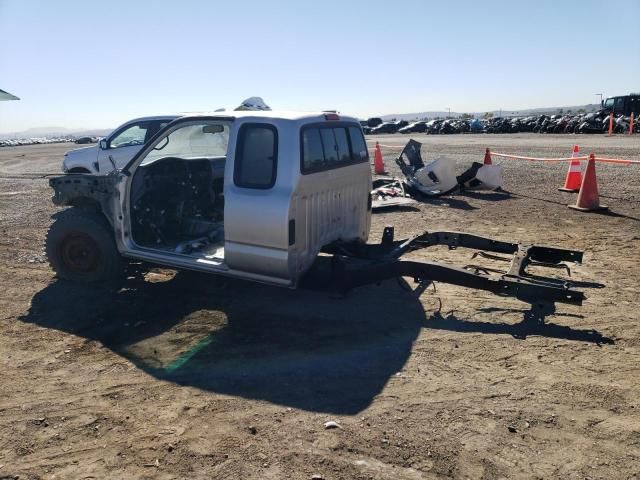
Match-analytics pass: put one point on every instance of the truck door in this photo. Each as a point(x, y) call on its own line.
point(256, 205)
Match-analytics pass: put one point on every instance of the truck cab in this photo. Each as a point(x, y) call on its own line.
point(254, 195)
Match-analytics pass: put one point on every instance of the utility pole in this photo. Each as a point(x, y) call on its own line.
point(600, 95)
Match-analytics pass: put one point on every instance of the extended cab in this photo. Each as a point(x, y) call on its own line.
point(119, 146)
point(253, 195)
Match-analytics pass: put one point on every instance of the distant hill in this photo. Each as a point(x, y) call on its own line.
point(504, 113)
point(56, 132)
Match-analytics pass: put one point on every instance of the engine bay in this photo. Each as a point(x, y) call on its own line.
point(178, 204)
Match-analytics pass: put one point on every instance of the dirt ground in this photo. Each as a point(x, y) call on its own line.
point(187, 376)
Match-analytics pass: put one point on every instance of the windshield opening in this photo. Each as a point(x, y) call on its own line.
point(192, 141)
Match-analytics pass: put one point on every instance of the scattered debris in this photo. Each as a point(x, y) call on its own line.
point(388, 193)
point(331, 424)
point(438, 178)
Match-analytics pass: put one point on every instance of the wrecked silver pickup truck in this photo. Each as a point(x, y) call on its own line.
point(278, 198)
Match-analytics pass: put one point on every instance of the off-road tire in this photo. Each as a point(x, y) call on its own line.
point(80, 247)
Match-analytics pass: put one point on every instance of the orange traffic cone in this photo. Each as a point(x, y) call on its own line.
point(610, 124)
point(378, 163)
point(574, 175)
point(487, 157)
point(588, 198)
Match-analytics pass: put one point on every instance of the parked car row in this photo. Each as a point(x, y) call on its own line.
point(597, 122)
point(14, 142)
point(86, 140)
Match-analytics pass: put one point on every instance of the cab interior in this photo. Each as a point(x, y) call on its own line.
point(177, 193)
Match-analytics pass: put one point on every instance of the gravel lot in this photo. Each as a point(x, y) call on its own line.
point(188, 376)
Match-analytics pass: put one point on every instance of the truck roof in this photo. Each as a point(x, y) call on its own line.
point(275, 115)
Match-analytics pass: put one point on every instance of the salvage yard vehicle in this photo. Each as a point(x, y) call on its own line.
point(389, 127)
point(622, 105)
point(415, 127)
point(277, 198)
point(117, 149)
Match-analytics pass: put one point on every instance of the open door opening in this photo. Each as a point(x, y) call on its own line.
point(177, 193)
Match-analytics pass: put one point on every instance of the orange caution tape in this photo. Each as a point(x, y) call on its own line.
point(568, 159)
point(538, 159)
point(617, 160)
point(400, 147)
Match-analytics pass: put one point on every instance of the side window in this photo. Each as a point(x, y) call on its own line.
point(133, 135)
point(342, 144)
point(256, 156)
point(619, 108)
point(324, 148)
point(312, 152)
point(359, 150)
point(329, 146)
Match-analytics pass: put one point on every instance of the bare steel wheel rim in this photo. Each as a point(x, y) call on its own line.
point(80, 253)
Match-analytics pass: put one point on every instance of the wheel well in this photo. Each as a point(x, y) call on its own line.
point(79, 170)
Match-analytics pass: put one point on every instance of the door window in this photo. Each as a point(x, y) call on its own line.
point(132, 135)
point(256, 156)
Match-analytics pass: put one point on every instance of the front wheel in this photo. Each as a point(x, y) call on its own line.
point(80, 247)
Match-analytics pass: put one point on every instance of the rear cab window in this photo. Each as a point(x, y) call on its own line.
point(256, 156)
point(328, 146)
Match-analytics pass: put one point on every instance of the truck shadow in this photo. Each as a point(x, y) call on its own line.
point(301, 349)
point(532, 324)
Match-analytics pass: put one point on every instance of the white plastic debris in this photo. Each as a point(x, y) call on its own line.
point(437, 177)
point(490, 176)
point(254, 103)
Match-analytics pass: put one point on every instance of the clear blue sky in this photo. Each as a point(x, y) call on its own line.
point(98, 63)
